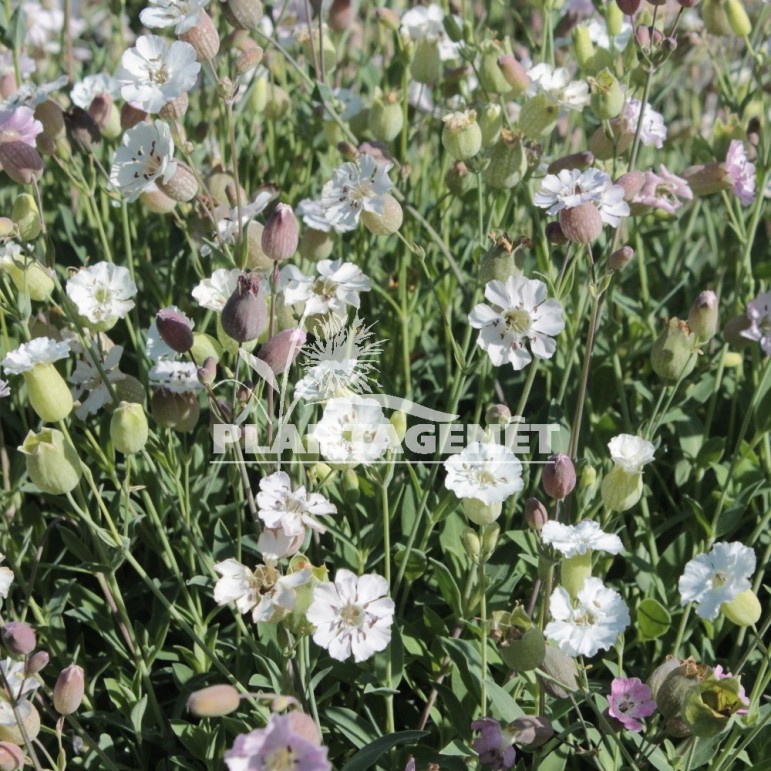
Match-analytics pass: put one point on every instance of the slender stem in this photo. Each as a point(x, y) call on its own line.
point(643, 105)
point(390, 723)
point(483, 638)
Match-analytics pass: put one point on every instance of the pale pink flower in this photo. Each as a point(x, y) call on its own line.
point(19, 125)
point(741, 171)
point(629, 700)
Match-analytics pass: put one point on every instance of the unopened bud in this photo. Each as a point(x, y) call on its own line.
point(582, 224)
point(673, 355)
point(175, 329)
point(69, 690)
point(128, 428)
point(703, 316)
point(573, 161)
point(388, 18)
point(514, 73)
point(19, 638)
point(491, 76)
point(498, 415)
point(350, 486)
point(621, 258)
point(207, 373)
point(632, 183)
point(11, 757)
point(26, 216)
point(398, 420)
point(282, 349)
point(490, 535)
point(21, 162)
point(531, 731)
point(629, 7)
point(245, 313)
point(214, 701)
point(471, 543)
point(738, 20)
point(280, 236)
point(536, 515)
point(559, 476)
point(37, 662)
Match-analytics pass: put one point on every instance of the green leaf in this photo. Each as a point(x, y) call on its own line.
point(16, 31)
point(352, 726)
point(367, 757)
point(653, 619)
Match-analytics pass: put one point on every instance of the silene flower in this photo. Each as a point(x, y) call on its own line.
point(741, 172)
point(146, 155)
point(631, 452)
point(313, 215)
point(494, 745)
point(102, 293)
point(483, 471)
point(759, 315)
point(653, 131)
point(665, 191)
point(281, 507)
point(19, 125)
point(629, 700)
point(558, 86)
point(521, 318)
point(352, 616)
point(40, 350)
point(85, 91)
point(179, 377)
point(589, 624)
point(717, 577)
point(154, 73)
point(337, 286)
point(183, 15)
point(571, 540)
point(6, 578)
point(86, 378)
point(212, 293)
point(426, 23)
point(355, 187)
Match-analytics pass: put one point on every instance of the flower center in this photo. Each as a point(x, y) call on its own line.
point(719, 579)
point(102, 295)
point(517, 321)
point(352, 615)
point(323, 288)
point(157, 72)
point(485, 477)
point(280, 760)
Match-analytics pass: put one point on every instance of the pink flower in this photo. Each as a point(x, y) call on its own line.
point(629, 700)
point(661, 191)
point(288, 741)
point(19, 125)
point(741, 171)
point(721, 675)
point(759, 315)
point(494, 748)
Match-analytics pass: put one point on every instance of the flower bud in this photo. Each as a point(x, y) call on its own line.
point(341, 15)
point(459, 179)
point(559, 476)
point(19, 638)
point(561, 668)
point(69, 690)
point(629, 7)
point(574, 571)
point(350, 485)
point(490, 535)
point(580, 160)
point(32, 279)
point(531, 731)
point(743, 610)
point(37, 662)
point(388, 222)
point(632, 182)
point(514, 73)
point(214, 701)
point(248, 60)
point(26, 215)
point(386, 117)
point(538, 116)
point(461, 135)
point(703, 316)
point(130, 116)
point(280, 236)
point(472, 544)
point(621, 258)
point(536, 515)
point(52, 462)
point(673, 355)
point(183, 186)
point(388, 18)
point(738, 20)
point(607, 97)
point(175, 329)
point(203, 37)
point(481, 513)
point(491, 77)
point(606, 147)
point(426, 65)
point(11, 757)
point(245, 314)
point(21, 162)
point(583, 46)
point(497, 415)
point(582, 224)
point(661, 673)
point(177, 411)
point(207, 373)
point(128, 428)
point(242, 14)
point(508, 162)
point(282, 349)
point(621, 489)
point(398, 420)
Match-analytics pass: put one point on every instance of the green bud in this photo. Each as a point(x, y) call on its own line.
point(743, 610)
point(491, 79)
point(614, 19)
point(673, 355)
point(738, 20)
point(481, 513)
point(452, 28)
point(351, 487)
point(471, 543)
point(538, 116)
point(574, 571)
point(620, 489)
point(214, 701)
point(490, 119)
point(426, 64)
point(205, 346)
point(508, 162)
point(386, 117)
point(703, 317)
point(48, 393)
point(388, 222)
point(676, 686)
point(69, 690)
point(607, 97)
point(499, 262)
point(716, 21)
point(583, 46)
point(32, 279)
point(128, 428)
point(52, 462)
point(461, 136)
point(490, 534)
point(26, 216)
point(398, 420)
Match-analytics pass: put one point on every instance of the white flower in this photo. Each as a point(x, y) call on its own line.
point(227, 226)
point(84, 92)
point(653, 131)
point(337, 285)
point(102, 292)
point(263, 591)
point(488, 472)
point(179, 377)
point(426, 23)
point(147, 154)
point(41, 350)
point(352, 616)
point(212, 293)
point(352, 430)
point(572, 187)
point(6, 579)
point(290, 510)
point(183, 15)
point(521, 315)
point(33, 94)
point(355, 187)
point(717, 577)
point(347, 103)
point(591, 624)
point(275, 544)
point(313, 215)
point(578, 539)
point(557, 85)
point(598, 34)
point(87, 378)
point(154, 73)
point(631, 452)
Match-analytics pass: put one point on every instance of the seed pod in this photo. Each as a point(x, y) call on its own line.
point(341, 15)
point(19, 638)
point(426, 65)
point(177, 411)
point(207, 373)
point(743, 610)
point(497, 415)
point(606, 95)
point(203, 37)
point(49, 394)
point(52, 462)
point(316, 245)
point(632, 183)
point(559, 476)
point(491, 77)
point(129, 389)
point(514, 73)
point(245, 314)
point(674, 353)
point(582, 224)
point(386, 117)
point(508, 162)
point(629, 7)
point(69, 690)
point(554, 234)
point(243, 14)
point(280, 236)
point(183, 186)
point(388, 222)
point(605, 147)
point(490, 120)
point(128, 428)
point(461, 135)
point(157, 201)
point(175, 329)
point(29, 717)
point(561, 668)
point(538, 116)
point(526, 653)
point(214, 701)
point(21, 162)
